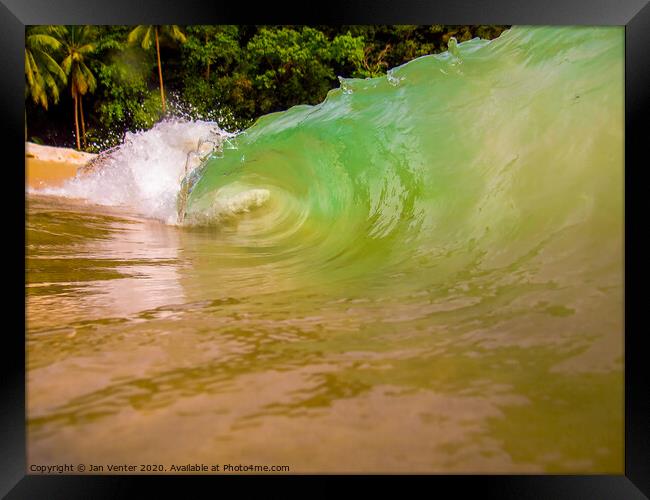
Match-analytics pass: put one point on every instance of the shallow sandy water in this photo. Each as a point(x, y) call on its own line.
point(141, 351)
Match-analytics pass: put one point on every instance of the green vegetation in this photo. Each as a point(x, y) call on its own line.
point(143, 35)
point(229, 74)
point(43, 74)
point(78, 43)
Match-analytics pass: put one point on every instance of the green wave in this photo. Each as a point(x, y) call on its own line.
point(496, 155)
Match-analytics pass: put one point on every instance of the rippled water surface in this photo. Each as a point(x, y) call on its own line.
point(424, 273)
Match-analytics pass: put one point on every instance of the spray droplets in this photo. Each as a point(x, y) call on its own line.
point(392, 79)
point(452, 46)
point(345, 85)
point(146, 172)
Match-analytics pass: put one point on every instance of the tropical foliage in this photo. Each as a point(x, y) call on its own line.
point(43, 74)
point(144, 34)
point(78, 44)
point(229, 74)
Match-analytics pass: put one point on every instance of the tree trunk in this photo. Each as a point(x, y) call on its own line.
point(162, 92)
point(207, 69)
point(76, 120)
point(83, 124)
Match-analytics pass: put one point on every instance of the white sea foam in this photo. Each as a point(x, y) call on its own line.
point(242, 202)
point(228, 202)
point(146, 171)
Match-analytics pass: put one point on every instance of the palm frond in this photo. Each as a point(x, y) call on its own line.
point(52, 86)
point(174, 32)
point(29, 70)
point(58, 30)
point(42, 42)
point(66, 64)
point(88, 48)
point(54, 67)
point(142, 34)
point(87, 33)
point(146, 39)
point(36, 73)
point(89, 78)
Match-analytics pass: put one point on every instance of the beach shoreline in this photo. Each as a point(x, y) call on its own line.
point(50, 166)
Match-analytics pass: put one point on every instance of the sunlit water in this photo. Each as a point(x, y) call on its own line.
point(424, 273)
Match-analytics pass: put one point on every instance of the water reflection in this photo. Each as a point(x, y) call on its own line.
point(105, 266)
point(150, 344)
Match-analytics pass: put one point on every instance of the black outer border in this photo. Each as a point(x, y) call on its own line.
point(634, 14)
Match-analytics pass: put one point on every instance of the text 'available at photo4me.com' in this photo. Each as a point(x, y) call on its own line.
point(149, 468)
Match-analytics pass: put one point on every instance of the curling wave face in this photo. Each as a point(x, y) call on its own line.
point(492, 155)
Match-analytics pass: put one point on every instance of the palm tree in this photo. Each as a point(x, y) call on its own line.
point(144, 34)
point(78, 43)
point(43, 74)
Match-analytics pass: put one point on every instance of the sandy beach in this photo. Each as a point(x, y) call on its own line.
point(49, 166)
